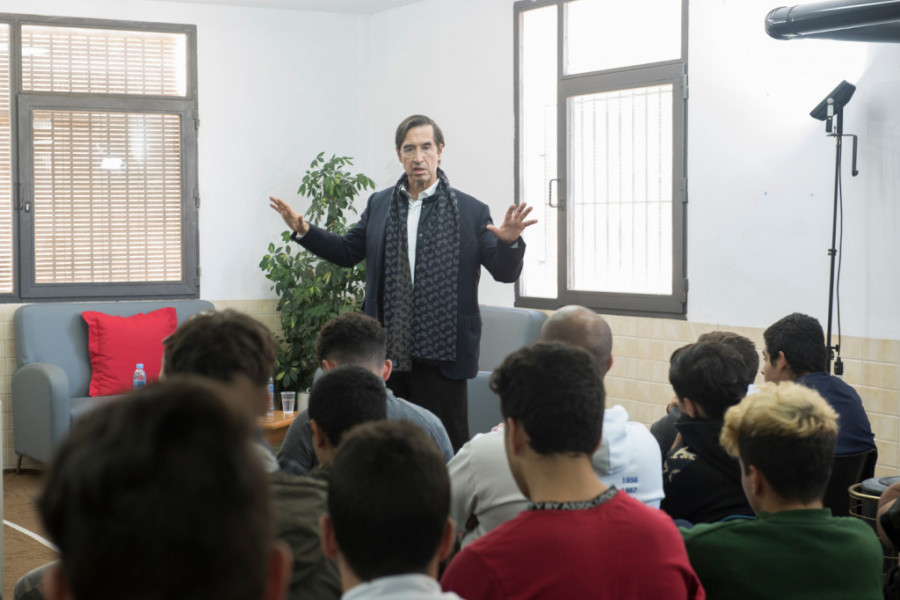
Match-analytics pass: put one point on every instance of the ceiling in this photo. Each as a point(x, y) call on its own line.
point(340, 6)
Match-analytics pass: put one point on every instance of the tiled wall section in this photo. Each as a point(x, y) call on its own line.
point(638, 379)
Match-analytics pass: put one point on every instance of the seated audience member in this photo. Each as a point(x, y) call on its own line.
point(795, 351)
point(161, 495)
point(355, 339)
point(339, 400)
point(235, 348)
point(784, 437)
point(578, 538)
point(231, 347)
point(664, 430)
point(484, 493)
point(387, 522)
point(702, 482)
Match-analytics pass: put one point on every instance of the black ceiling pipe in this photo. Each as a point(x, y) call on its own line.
point(850, 20)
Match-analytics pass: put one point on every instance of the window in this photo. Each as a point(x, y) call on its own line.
point(601, 88)
point(98, 159)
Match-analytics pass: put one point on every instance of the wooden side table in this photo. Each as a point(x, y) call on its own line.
point(275, 426)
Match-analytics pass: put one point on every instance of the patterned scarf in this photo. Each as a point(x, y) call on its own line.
point(422, 322)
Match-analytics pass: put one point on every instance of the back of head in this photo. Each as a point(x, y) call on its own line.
point(221, 345)
point(160, 495)
point(801, 339)
point(344, 397)
point(388, 498)
point(711, 375)
point(352, 338)
point(788, 432)
point(582, 327)
point(740, 344)
point(556, 392)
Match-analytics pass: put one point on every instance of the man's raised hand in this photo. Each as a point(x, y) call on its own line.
point(294, 221)
point(513, 224)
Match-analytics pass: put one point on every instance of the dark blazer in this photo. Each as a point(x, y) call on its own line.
point(478, 247)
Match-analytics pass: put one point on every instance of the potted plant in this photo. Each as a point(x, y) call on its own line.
point(312, 291)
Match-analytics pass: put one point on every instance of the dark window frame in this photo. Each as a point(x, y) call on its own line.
point(21, 105)
point(673, 72)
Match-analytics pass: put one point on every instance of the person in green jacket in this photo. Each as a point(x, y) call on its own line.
point(784, 437)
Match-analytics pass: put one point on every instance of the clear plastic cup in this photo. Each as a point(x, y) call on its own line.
point(288, 401)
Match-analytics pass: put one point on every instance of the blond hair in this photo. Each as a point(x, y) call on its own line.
point(788, 410)
point(788, 432)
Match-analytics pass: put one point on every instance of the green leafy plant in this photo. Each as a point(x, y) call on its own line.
point(312, 291)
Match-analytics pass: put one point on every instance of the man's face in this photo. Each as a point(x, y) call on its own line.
point(420, 156)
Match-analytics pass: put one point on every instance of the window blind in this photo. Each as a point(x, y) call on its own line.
point(6, 190)
point(103, 61)
point(107, 197)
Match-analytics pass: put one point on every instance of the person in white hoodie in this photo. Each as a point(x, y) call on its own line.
point(484, 493)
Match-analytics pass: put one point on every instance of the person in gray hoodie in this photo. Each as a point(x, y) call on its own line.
point(484, 493)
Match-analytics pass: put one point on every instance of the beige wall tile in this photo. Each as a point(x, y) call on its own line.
point(871, 375)
point(670, 347)
point(649, 413)
point(615, 386)
point(698, 329)
point(645, 328)
point(890, 376)
point(890, 351)
point(887, 453)
point(890, 402)
point(643, 348)
point(882, 471)
point(872, 349)
point(851, 347)
point(853, 370)
point(887, 428)
point(871, 398)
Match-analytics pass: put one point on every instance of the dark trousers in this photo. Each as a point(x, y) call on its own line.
point(447, 398)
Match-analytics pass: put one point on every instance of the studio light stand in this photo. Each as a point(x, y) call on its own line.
point(831, 110)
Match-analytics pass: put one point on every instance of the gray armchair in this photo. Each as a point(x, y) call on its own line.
point(503, 330)
point(50, 385)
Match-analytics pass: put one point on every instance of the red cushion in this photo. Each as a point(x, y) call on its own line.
point(117, 344)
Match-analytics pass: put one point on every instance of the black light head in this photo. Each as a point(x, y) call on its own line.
point(839, 96)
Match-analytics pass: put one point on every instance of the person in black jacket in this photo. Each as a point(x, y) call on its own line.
point(424, 243)
point(701, 481)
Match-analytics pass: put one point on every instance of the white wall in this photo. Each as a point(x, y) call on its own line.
point(278, 86)
point(451, 60)
point(760, 170)
point(275, 88)
point(761, 174)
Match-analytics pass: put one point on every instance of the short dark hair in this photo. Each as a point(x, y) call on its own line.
point(711, 374)
point(789, 433)
point(346, 396)
point(414, 121)
point(801, 339)
point(742, 345)
point(388, 498)
point(353, 338)
point(164, 478)
point(556, 391)
point(220, 345)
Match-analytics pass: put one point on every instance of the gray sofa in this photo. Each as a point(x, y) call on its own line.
point(503, 330)
point(53, 369)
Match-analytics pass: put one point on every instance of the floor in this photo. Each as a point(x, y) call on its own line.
point(21, 552)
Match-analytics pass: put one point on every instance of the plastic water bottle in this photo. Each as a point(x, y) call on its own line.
point(271, 410)
point(140, 377)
